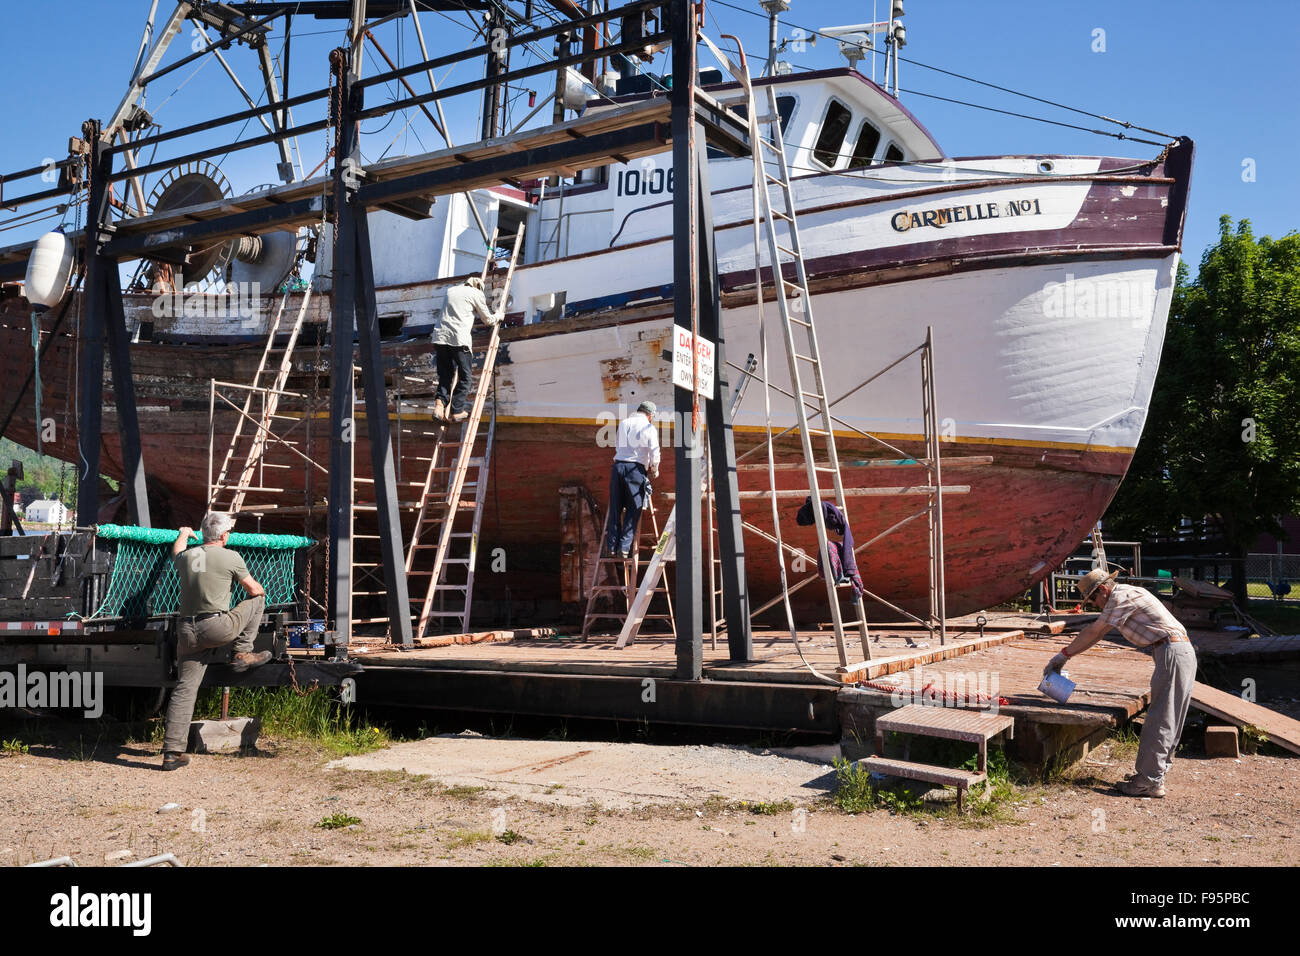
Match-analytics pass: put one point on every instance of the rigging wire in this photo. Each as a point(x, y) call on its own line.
point(1042, 119)
point(971, 79)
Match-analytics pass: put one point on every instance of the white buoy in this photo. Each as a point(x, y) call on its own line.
point(48, 269)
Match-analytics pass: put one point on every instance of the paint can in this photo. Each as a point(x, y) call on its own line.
point(1057, 686)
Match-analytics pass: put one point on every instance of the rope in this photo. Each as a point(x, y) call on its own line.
point(36, 377)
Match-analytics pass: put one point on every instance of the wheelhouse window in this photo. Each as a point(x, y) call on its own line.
point(893, 154)
point(864, 150)
point(831, 136)
point(784, 109)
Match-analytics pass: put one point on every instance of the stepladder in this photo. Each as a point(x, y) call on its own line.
point(621, 587)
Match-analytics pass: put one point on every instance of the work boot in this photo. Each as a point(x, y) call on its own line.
point(1137, 787)
point(459, 417)
point(247, 661)
point(174, 761)
point(439, 411)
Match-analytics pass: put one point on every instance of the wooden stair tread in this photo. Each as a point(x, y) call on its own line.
point(929, 773)
point(949, 723)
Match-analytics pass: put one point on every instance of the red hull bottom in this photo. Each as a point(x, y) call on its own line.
point(1025, 512)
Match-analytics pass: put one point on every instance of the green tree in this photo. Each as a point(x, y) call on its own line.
point(43, 477)
point(1223, 434)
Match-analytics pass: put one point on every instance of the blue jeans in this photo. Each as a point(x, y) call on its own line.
point(453, 361)
point(629, 490)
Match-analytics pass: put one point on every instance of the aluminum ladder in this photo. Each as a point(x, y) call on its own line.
point(778, 224)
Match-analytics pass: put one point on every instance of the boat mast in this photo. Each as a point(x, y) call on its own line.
point(774, 10)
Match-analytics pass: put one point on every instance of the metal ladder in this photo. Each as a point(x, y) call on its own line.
point(440, 500)
point(270, 393)
point(794, 304)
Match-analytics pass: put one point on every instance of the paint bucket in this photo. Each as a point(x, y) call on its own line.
point(1057, 686)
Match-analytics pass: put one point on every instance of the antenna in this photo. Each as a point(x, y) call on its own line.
point(774, 10)
point(857, 39)
point(896, 40)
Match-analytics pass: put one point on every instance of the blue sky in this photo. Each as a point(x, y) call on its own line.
point(1221, 73)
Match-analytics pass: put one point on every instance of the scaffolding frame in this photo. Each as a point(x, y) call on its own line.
point(933, 491)
point(684, 121)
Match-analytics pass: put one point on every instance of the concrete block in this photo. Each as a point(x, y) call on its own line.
point(1221, 742)
point(221, 736)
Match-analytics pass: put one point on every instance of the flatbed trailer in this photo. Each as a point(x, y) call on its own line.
point(50, 588)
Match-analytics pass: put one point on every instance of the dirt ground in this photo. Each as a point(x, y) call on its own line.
point(616, 804)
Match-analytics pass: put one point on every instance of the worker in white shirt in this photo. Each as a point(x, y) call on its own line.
point(451, 343)
point(636, 461)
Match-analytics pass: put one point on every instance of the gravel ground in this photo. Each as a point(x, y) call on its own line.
point(98, 802)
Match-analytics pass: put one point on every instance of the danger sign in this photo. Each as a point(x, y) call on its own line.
point(683, 376)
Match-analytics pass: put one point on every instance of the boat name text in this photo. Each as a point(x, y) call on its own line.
point(973, 212)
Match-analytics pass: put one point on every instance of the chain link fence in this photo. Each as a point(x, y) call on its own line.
point(1273, 576)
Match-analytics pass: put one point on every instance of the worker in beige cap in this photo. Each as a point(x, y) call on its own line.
point(451, 341)
point(1146, 623)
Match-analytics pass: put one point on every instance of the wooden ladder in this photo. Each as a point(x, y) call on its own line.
point(440, 541)
point(627, 579)
point(268, 386)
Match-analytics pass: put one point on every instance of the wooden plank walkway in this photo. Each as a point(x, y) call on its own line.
point(1281, 730)
point(1235, 646)
point(654, 656)
point(1113, 679)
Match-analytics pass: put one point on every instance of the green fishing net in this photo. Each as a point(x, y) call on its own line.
point(143, 581)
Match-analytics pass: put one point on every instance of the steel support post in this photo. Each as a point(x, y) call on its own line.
point(936, 543)
point(128, 421)
point(721, 444)
point(690, 589)
point(103, 316)
point(379, 433)
point(342, 399)
point(90, 388)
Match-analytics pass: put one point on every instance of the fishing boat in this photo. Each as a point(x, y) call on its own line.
point(1045, 281)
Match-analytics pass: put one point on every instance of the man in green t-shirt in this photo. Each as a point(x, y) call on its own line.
point(208, 623)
